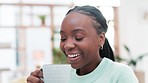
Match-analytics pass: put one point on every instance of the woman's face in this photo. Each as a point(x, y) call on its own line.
point(79, 41)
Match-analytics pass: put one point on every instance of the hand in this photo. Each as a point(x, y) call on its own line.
point(35, 77)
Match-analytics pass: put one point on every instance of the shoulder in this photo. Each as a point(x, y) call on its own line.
point(116, 68)
point(125, 73)
point(122, 66)
point(121, 72)
point(121, 69)
point(117, 65)
point(117, 72)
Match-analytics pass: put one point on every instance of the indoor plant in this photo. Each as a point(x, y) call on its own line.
point(42, 18)
point(133, 61)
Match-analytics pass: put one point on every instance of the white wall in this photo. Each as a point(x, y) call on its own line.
point(8, 38)
point(38, 48)
point(133, 29)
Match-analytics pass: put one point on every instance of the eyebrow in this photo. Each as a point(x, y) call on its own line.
point(76, 30)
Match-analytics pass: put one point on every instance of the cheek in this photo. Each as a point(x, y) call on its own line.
point(92, 46)
point(85, 46)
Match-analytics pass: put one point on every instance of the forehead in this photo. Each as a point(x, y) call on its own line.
point(75, 22)
point(75, 19)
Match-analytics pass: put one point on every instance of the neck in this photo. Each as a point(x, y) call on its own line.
point(88, 69)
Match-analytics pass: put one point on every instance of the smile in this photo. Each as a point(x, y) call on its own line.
point(73, 55)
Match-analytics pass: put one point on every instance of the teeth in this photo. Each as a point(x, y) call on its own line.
point(73, 55)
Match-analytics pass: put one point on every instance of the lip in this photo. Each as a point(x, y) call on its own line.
point(73, 59)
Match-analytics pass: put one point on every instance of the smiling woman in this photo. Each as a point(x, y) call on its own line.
point(77, 40)
point(87, 50)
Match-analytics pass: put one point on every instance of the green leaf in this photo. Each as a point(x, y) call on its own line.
point(126, 48)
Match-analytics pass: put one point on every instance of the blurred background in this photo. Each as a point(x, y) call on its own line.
point(29, 34)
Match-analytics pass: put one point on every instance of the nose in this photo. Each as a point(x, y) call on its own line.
point(69, 45)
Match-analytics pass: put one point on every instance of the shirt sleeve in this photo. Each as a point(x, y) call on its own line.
point(127, 76)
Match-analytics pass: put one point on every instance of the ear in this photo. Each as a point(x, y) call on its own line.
point(101, 39)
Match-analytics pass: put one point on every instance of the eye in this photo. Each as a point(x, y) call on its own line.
point(63, 39)
point(78, 38)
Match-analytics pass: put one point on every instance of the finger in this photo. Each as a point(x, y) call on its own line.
point(40, 74)
point(37, 73)
point(33, 79)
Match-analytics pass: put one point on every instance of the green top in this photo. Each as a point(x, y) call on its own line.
point(107, 72)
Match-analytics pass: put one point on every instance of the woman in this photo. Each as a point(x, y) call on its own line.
point(87, 50)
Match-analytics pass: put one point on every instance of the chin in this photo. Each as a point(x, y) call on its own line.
point(75, 66)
